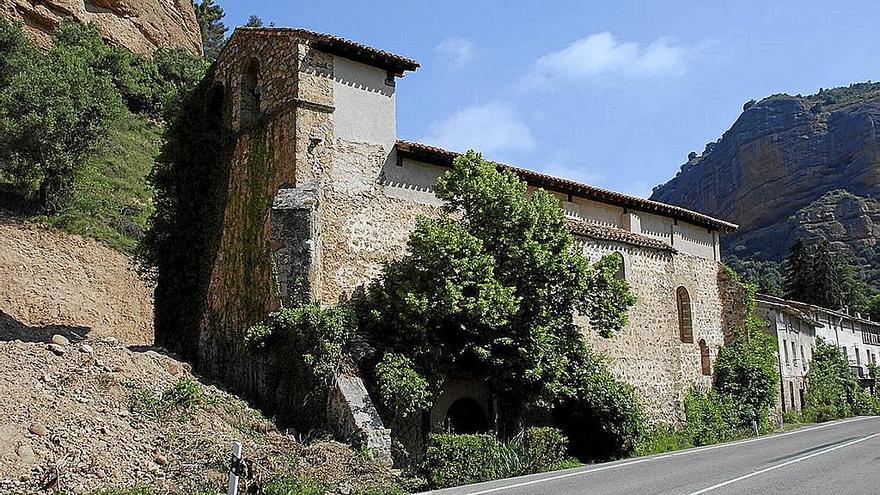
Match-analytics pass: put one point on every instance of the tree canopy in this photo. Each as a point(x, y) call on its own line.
point(492, 289)
point(815, 274)
point(210, 18)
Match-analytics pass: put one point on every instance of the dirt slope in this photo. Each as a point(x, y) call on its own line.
point(52, 282)
point(100, 415)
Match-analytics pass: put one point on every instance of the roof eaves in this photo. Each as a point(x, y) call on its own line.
point(440, 156)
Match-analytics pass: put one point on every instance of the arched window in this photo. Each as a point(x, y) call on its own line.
point(705, 365)
point(249, 109)
point(620, 274)
point(685, 319)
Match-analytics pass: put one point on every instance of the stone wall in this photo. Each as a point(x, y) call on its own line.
point(648, 352)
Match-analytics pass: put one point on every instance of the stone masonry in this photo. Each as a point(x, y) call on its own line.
point(321, 193)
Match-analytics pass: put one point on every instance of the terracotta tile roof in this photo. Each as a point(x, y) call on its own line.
point(440, 156)
point(618, 235)
point(806, 307)
point(340, 46)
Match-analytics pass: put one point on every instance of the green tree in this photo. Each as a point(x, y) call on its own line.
point(832, 389)
point(210, 18)
point(817, 275)
point(53, 112)
point(491, 289)
point(254, 21)
point(873, 308)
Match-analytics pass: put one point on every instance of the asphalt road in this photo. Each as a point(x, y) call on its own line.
point(839, 458)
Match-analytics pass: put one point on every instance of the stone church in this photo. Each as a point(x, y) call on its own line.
point(326, 192)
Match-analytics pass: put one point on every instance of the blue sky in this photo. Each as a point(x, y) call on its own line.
point(612, 93)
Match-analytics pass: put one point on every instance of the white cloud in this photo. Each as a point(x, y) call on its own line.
point(486, 128)
point(603, 55)
point(456, 52)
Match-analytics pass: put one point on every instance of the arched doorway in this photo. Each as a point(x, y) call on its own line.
point(465, 416)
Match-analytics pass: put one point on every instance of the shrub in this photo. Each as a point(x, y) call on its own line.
point(832, 390)
point(402, 389)
point(711, 417)
point(790, 417)
point(540, 449)
point(318, 336)
point(452, 460)
point(294, 486)
point(659, 438)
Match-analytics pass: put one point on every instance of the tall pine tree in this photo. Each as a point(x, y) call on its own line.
point(210, 17)
point(817, 275)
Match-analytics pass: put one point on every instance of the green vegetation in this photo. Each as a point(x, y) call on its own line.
point(766, 275)
point(210, 18)
point(179, 398)
point(816, 275)
point(401, 388)
point(832, 390)
point(77, 129)
point(494, 295)
point(453, 460)
point(318, 336)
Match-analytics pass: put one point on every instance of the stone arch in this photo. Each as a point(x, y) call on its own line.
point(467, 397)
point(685, 315)
point(465, 416)
point(705, 363)
point(249, 97)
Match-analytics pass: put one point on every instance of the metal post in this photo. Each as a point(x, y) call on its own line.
point(234, 468)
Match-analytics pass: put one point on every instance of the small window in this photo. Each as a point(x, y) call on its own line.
point(793, 353)
point(620, 274)
point(685, 318)
point(705, 364)
point(785, 349)
point(249, 104)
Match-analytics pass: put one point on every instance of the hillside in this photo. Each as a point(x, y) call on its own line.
point(83, 412)
point(793, 166)
point(139, 25)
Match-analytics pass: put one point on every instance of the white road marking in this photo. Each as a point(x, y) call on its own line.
point(659, 457)
point(786, 463)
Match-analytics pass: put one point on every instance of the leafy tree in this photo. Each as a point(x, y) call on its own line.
point(492, 288)
point(53, 112)
point(873, 308)
point(765, 274)
point(816, 275)
point(832, 389)
point(254, 21)
point(15, 49)
point(210, 18)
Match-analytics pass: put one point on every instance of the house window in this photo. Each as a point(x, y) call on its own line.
point(685, 321)
point(791, 393)
point(803, 357)
point(785, 349)
point(705, 365)
point(793, 353)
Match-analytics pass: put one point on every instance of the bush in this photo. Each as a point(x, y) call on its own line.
point(540, 449)
point(711, 417)
point(659, 438)
point(453, 460)
point(832, 390)
point(402, 389)
point(790, 417)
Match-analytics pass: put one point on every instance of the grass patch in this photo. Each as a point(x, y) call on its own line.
point(112, 200)
point(181, 397)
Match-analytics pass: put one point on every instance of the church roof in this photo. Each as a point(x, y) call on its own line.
point(584, 229)
point(337, 45)
point(440, 156)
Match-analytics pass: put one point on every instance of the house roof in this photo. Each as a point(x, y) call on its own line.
point(802, 306)
point(602, 232)
point(337, 45)
point(440, 156)
point(787, 306)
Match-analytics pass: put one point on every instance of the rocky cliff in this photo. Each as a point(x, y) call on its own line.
point(139, 25)
point(792, 166)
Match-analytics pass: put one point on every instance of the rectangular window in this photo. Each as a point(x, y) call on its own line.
point(793, 353)
point(785, 348)
point(858, 356)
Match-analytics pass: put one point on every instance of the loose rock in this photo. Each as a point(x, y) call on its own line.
point(57, 349)
point(38, 429)
point(60, 340)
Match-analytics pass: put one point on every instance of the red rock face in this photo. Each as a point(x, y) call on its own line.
point(142, 26)
point(775, 172)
